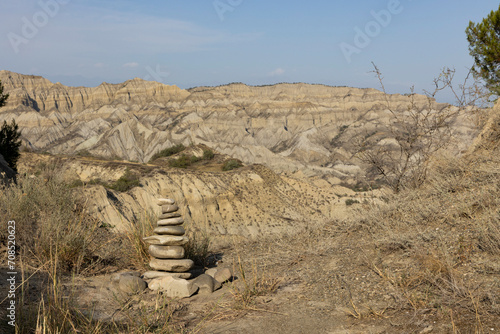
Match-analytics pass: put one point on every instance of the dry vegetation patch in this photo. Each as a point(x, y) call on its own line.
point(438, 246)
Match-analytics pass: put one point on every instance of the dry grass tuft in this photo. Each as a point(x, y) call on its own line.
point(251, 284)
point(198, 248)
point(136, 249)
point(51, 224)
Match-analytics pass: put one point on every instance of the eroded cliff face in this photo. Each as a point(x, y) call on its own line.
point(288, 127)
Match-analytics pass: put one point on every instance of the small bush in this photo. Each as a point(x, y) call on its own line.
point(349, 202)
point(208, 154)
point(183, 161)
point(231, 164)
point(126, 182)
point(194, 159)
point(168, 152)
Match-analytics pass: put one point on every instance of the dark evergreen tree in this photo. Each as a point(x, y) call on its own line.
point(10, 143)
point(9, 137)
point(484, 46)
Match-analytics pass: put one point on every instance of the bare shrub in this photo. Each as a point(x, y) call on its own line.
point(400, 152)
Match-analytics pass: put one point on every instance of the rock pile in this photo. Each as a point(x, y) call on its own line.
point(166, 246)
point(171, 269)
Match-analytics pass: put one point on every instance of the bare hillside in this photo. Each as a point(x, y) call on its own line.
point(287, 127)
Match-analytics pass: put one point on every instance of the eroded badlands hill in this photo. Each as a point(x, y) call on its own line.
point(249, 202)
point(287, 126)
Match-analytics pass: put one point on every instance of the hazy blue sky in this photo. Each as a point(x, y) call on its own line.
point(212, 42)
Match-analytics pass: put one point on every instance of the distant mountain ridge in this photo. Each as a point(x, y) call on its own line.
point(288, 127)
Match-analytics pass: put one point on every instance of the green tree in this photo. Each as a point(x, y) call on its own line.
point(10, 143)
point(3, 96)
point(484, 46)
point(9, 136)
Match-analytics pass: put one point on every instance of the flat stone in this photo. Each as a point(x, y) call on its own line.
point(165, 201)
point(169, 215)
point(171, 221)
point(166, 252)
point(131, 284)
point(170, 229)
point(167, 240)
point(223, 275)
point(115, 278)
point(205, 284)
point(173, 287)
point(211, 271)
point(169, 208)
point(176, 266)
point(157, 274)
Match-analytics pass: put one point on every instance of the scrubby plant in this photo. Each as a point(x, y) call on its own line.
point(126, 182)
point(231, 164)
point(350, 202)
point(183, 161)
point(208, 154)
point(168, 152)
point(194, 159)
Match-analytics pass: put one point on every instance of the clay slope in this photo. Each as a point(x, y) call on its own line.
point(488, 140)
point(286, 126)
point(248, 202)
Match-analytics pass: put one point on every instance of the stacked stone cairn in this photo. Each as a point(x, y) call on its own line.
point(171, 269)
point(166, 245)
